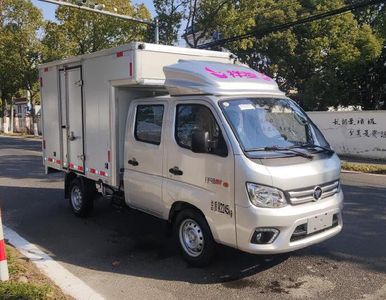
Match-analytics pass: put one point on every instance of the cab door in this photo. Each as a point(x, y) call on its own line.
point(205, 180)
point(144, 150)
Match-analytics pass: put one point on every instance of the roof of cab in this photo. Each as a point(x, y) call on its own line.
point(188, 77)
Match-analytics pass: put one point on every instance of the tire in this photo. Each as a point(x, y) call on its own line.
point(194, 238)
point(81, 196)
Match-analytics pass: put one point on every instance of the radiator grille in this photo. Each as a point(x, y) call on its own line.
point(305, 195)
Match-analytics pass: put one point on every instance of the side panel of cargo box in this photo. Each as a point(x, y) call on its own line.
point(86, 100)
point(100, 135)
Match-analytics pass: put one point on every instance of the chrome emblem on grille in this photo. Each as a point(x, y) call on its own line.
point(317, 193)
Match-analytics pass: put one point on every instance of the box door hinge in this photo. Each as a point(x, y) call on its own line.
point(79, 83)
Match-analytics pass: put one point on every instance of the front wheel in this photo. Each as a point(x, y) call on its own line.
point(81, 194)
point(194, 238)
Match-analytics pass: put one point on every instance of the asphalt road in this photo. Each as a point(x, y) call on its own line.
point(124, 254)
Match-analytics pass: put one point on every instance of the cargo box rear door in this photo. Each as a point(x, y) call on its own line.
point(74, 127)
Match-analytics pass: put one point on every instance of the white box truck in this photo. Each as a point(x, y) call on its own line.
point(195, 138)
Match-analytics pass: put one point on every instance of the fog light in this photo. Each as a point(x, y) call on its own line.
point(264, 235)
point(335, 220)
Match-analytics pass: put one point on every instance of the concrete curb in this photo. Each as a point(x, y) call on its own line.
point(363, 173)
point(66, 281)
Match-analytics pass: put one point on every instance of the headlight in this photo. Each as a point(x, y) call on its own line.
point(264, 196)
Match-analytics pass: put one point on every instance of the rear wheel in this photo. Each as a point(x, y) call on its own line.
point(81, 196)
point(194, 237)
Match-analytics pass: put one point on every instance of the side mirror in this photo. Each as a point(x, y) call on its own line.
point(200, 141)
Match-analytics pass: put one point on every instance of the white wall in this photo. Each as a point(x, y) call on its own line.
point(358, 133)
point(4, 124)
point(21, 125)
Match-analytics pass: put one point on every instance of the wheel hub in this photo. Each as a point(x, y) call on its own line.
point(76, 198)
point(191, 237)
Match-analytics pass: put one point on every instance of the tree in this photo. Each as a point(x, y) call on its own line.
point(372, 85)
point(170, 14)
point(200, 18)
point(20, 49)
point(79, 32)
point(320, 64)
point(203, 19)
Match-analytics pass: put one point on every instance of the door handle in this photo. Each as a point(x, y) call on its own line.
point(71, 136)
point(176, 171)
point(133, 162)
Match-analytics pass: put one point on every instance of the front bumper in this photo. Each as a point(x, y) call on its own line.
point(286, 220)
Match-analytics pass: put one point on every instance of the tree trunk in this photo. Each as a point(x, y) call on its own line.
point(12, 117)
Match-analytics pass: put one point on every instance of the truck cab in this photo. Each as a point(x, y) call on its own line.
point(252, 165)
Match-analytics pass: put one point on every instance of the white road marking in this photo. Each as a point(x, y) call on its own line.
point(69, 283)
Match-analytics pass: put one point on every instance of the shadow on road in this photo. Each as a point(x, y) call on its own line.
point(19, 143)
point(363, 239)
point(25, 167)
point(15, 164)
point(133, 243)
point(126, 241)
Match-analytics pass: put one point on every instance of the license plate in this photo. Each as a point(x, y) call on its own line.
point(319, 222)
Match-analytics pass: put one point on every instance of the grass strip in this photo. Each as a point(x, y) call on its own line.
point(364, 168)
point(26, 282)
point(20, 290)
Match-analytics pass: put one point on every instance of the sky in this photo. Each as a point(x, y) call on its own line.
point(48, 9)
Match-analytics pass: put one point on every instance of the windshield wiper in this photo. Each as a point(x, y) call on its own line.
point(317, 146)
point(276, 148)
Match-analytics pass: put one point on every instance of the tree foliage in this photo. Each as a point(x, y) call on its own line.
point(336, 61)
point(79, 32)
point(170, 15)
point(198, 17)
point(330, 62)
point(20, 48)
point(26, 40)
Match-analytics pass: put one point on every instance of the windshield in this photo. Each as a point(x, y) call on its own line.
point(261, 123)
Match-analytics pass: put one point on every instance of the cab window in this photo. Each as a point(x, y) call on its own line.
point(148, 123)
point(193, 118)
